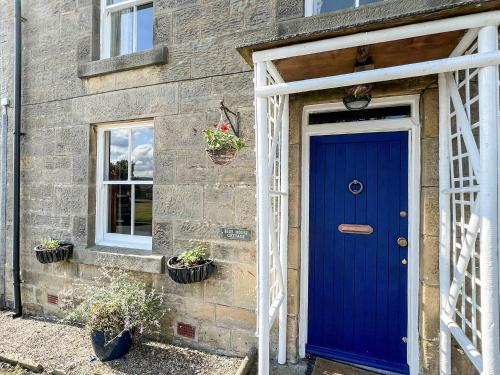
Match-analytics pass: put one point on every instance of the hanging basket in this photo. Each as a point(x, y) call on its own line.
point(62, 253)
point(221, 156)
point(190, 275)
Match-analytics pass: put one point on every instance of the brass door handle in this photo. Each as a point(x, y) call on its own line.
point(402, 242)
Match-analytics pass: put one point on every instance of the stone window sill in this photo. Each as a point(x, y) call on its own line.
point(155, 56)
point(126, 259)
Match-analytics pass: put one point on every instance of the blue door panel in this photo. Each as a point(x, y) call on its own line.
point(357, 283)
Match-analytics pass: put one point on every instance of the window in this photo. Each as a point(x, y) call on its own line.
point(125, 185)
point(314, 7)
point(126, 27)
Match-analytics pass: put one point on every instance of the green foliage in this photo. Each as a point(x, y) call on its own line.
point(193, 257)
point(217, 139)
point(49, 244)
point(115, 302)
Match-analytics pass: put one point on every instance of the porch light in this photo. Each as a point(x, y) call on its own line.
point(355, 103)
point(359, 96)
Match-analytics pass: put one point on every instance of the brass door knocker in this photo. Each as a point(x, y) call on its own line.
point(356, 187)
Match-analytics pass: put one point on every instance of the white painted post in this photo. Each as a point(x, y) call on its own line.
point(444, 224)
point(488, 115)
point(283, 313)
point(263, 205)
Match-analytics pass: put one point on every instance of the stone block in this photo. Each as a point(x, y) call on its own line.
point(430, 162)
point(429, 261)
point(177, 202)
point(294, 206)
point(196, 231)
point(218, 204)
point(294, 248)
point(293, 292)
point(430, 128)
point(214, 337)
point(70, 200)
point(244, 286)
point(220, 292)
point(242, 341)
point(164, 171)
point(234, 317)
point(429, 315)
point(430, 211)
point(181, 132)
point(163, 238)
point(429, 357)
point(193, 167)
point(245, 207)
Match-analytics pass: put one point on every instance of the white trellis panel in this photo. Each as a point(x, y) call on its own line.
point(468, 240)
point(272, 181)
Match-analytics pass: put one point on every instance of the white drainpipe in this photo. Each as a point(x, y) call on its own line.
point(3, 197)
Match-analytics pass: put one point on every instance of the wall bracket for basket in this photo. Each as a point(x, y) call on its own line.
point(236, 118)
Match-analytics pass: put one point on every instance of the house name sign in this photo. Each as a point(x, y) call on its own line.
point(238, 234)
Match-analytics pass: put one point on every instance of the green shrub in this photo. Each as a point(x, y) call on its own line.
point(195, 256)
point(222, 139)
point(115, 302)
point(49, 244)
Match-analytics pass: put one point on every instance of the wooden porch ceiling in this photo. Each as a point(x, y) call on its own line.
point(400, 52)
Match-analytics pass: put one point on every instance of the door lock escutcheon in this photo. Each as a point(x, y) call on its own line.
point(402, 242)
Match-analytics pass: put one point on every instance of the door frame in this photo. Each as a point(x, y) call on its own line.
point(412, 126)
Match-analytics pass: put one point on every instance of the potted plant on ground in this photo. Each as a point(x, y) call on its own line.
point(191, 266)
point(116, 310)
point(222, 144)
point(51, 250)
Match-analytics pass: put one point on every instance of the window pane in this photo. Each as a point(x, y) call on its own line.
point(117, 154)
point(122, 25)
point(325, 6)
point(119, 209)
point(142, 153)
point(145, 27)
point(143, 210)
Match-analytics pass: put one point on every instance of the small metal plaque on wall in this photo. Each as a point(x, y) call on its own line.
point(237, 234)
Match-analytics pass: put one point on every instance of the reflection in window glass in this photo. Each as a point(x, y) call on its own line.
point(143, 210)
point(117, 154)
point(144, 27)
point(142, 153)
point(119, 209)
point(326, 6)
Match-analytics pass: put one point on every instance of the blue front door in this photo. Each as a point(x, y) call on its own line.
point(358, 281)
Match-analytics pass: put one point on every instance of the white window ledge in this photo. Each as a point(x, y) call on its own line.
point(126, 259)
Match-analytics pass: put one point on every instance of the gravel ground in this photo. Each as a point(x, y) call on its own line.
point(66, 348)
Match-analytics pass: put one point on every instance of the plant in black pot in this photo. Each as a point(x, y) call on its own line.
point(191, 266)
point(116, 309)
point(51, 250)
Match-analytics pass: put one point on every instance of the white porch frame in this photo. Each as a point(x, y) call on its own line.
point(485, 25)
point(412, 126)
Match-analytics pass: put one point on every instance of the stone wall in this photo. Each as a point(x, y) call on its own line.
point(193, 199)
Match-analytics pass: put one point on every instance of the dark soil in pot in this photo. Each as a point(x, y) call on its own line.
point(62, 253)
point(108, 347)
point(195, 274)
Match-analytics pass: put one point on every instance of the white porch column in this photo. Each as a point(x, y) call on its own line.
point(444, 224)
point(263, 205)
point(488, 115)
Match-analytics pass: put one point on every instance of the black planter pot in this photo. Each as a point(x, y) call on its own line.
point(108, 347)
point(190, 275)
point(63, 252)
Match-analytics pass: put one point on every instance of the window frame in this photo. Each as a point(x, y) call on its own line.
point(309, 8)
point(106, 11)
point(102, 237)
